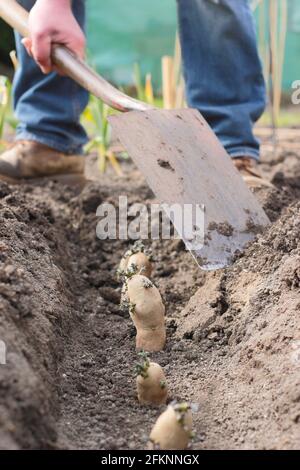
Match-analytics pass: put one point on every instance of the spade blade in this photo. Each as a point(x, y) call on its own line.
point(185, 165)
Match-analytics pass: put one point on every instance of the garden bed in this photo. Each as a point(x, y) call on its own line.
point(233, 336)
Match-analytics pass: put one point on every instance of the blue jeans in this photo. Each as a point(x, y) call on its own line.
point(49, 106)
point(222, 69)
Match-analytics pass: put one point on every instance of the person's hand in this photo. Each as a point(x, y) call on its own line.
point(52, 22)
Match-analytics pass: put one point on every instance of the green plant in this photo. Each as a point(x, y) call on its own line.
point(6, 116)
point(4, 100)
point(272, 37)
point(144, 91)
point(96, 114)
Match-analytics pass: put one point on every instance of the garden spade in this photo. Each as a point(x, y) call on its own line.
point(185, 165)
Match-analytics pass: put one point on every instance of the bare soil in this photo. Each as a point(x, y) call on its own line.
point(233, 335)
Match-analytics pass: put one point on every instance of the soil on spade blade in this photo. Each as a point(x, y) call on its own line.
point(233, 335)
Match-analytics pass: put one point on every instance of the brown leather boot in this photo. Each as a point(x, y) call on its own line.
point(29, 160)
point(249, 170)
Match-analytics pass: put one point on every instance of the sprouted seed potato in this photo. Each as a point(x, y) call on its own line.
point(136, 258)
point(173, 429)
point(151, 382)
point(142, 263)
point(147, 313)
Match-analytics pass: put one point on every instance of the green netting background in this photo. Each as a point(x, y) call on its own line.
point(122, 32)
point(292, 58)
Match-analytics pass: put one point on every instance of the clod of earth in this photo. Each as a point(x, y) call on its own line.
point(165, 164)
point(252, 227)
point(148, 314)
point(174, 428)
point(151, 382)
point(223, 228)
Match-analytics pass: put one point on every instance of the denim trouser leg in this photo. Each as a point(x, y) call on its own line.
point(223, 72)
point(49, 106)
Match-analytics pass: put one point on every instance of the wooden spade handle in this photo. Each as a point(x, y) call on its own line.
point(17, 17)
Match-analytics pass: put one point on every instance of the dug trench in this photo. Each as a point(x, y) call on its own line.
point(233, 336)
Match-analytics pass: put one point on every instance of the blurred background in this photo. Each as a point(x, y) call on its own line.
point(135, 45)
point(121, 34)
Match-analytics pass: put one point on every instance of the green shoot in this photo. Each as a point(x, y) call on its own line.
point(162, 384)
point(123, 275)
point(144, 92)
point(142, 368)
point(147, 284)
point(128, 306)
point(96, 114)
point(181, 409)
point(5, 108)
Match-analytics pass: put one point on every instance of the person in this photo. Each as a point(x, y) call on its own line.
point(222, 70)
